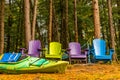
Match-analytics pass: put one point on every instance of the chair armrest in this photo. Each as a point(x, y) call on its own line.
point(92, 49)
point(45, 51)
point(111, 51)
point(23, 50)
point(42, 49)
point(66, 50)
point(39, 49)
point(63, 51)
point(42, 52)
point(91, 52)
point(85, 51)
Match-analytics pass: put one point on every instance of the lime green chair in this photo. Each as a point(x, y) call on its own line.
point(55, 51)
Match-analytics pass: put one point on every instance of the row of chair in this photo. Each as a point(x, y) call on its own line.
point(73, 52)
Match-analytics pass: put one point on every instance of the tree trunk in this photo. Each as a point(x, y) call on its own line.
point(2, 3)
point(8, 34)
point(8, 29)
point(50, 23)
point(96, 19)
point(63, 36)
point(118, 5)
point(55, 32)
point(112, 31)
point(21, 25)
point(75, 22)
point(66, 22)
point(34, 19)
point(27, 22)
point(103, 17)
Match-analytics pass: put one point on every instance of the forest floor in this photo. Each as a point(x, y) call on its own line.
point(73, 72)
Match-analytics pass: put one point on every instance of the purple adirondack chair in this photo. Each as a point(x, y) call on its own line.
point(76, 52)
point(34, 48)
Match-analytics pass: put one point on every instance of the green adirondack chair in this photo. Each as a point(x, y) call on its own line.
point(55, 51)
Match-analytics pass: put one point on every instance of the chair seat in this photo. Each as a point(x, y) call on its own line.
point(53, 56)
point(103, 57)
point(78, 56)
point(34, 55)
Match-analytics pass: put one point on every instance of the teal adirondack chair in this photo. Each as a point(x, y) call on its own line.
point(55, 51)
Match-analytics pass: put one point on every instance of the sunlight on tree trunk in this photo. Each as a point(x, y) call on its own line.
point(34, 19)
point(118, 5)
point(2, 2)
point(96, 19)
point(112, 32)
point(55, 33)
point(50, 23)
point(27, 22)
point(75, 22)
point(66, 22)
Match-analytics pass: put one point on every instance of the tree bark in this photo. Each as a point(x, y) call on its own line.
point(63, 36)
point(118, 5)
point(2, 4)
point(75, 22)
point(55, 33)
point(66, 22)
point(34, 19)
point(96, 19)
point(50, 23)
point(112, 31)
point(27, 22)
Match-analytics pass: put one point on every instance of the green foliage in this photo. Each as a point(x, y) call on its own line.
point(14, 25)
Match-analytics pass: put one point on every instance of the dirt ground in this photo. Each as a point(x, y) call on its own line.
point(73, 72)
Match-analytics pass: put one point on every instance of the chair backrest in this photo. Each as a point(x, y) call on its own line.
point(14, 57)
point(34, 47)
point(5, 57)
point(99, 46)
point(55, 48)
point(75, 48)
point(10, 57)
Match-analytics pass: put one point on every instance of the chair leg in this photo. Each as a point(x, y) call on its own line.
point(89, 60)
point(69, 60)
point(86, 60)
point(94, 60)
point(110, 61)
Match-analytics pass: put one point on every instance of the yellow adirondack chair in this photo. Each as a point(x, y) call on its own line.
point(55, 51)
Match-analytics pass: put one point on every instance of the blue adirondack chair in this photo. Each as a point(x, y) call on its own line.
point(99, 51)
